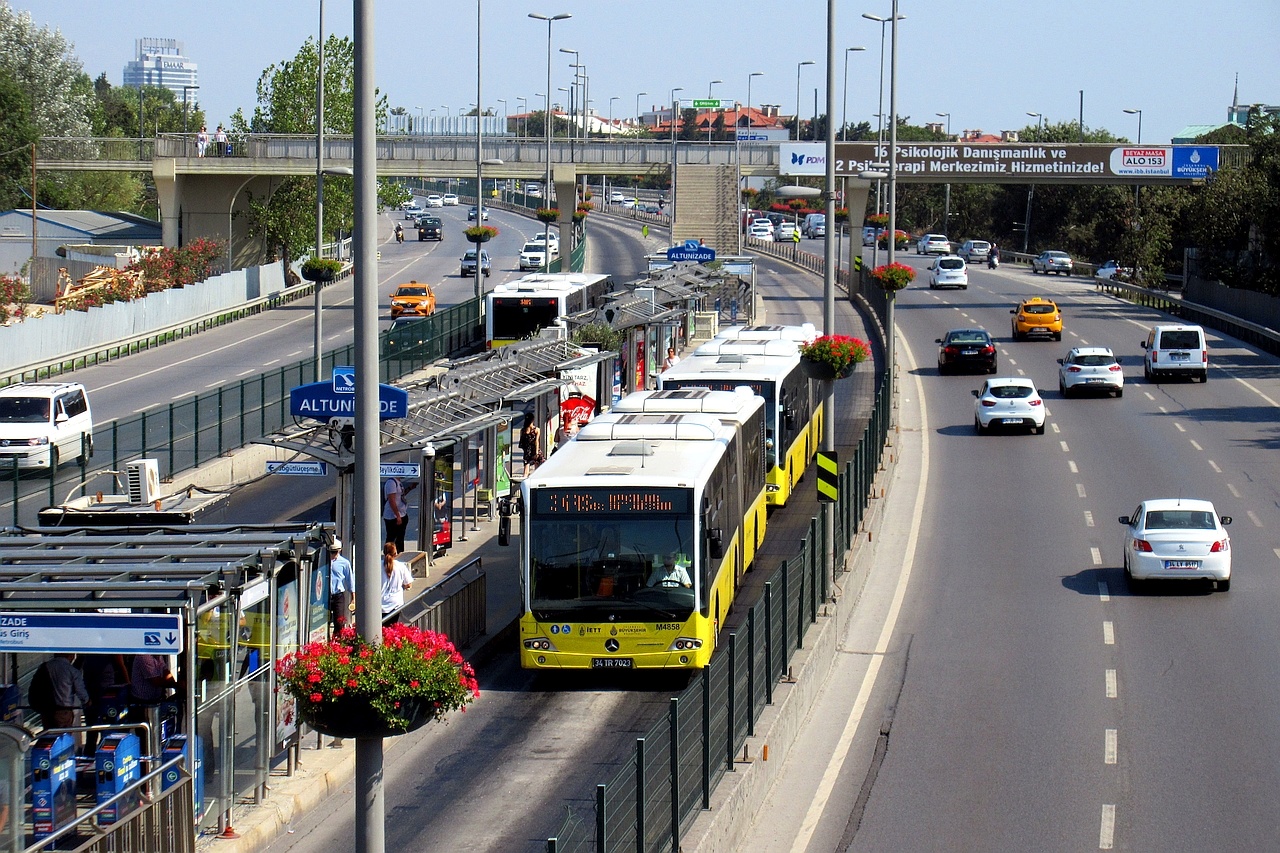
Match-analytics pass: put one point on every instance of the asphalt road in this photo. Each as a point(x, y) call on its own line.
point(1028, 701)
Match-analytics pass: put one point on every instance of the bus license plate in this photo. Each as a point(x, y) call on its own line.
point(611, 663)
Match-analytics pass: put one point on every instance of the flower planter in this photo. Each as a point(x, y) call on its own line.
point(819, 370)
point(317, 275)
point(351, 716)
point(478, 238)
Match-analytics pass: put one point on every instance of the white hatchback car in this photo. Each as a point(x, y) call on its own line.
point(933, 244)
point(1090, 368)
point(1010, 401)
point(761, 230)
point(1177, 538)
point(949, 271)
point(43, 424)
point(785, 232)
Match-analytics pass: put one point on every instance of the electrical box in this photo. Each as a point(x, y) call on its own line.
point(143, 481)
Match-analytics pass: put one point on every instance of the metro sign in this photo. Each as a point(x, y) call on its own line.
point(1137, 160)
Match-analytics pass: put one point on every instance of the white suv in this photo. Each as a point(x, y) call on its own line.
point(44, 423)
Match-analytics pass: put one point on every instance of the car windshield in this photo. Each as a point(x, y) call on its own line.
point(25, 410)
point(1094, 360)
point(980, 244)
point(1009, 392)
point(1180, 519)
point(1057, 256)
point(1180, 340)
point(979, 338)
point(411, 291)
point(1039, 309)
point(532, 247)
point(951, 264)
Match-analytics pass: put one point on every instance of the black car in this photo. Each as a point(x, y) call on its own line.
point(966, 348)
point(405, 338)
point(430, 228)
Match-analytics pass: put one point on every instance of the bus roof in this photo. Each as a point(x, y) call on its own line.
point(547, 283)
point(801, 334)
point(777, 347)
point(736, 405)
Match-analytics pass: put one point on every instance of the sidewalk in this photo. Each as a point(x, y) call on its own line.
point(325, 770)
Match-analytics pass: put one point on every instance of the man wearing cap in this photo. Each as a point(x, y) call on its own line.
point(670, 574)
point(342, 586)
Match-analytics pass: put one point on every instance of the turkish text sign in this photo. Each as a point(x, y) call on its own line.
point(118, 633)
point(318, 400)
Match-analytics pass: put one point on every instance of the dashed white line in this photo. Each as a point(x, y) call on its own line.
point(1064, 447)
point(1080, 490)
point(1179, 427)
point(1107, 833)
point(1253, 516)
point(1104, 592)
point(1196, 444)
point(213, 384)
point(1277, 550)
point(1163, 410)
point(1214, 466)
point(1073, 467)
point(245, 372)
point(1149, 396)
point(1113, 689)
point(1055, 428)
point(1235, 493)
point(1021, 372)
point(1088, 518)
point(1097, 556)
point(1108, 633)
point(1013, 363)
point(295, 352)
point(273, 361)
point(1109, 747)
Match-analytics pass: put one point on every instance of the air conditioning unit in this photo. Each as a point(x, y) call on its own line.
point(143, 481)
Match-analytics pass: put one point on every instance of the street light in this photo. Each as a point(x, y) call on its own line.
point(1031, 191)
point(880, 115)
point(1138, 113)
point(185, 89)
point(317, 352)
point(709, 85)
point(505, 119)
point(573, 113)
point(737, 151)
point(522, 104)
point(638, 121)
point(1137, 188)
point(546, 186)
point(612, 98)
point(844, 109)
point(946, 206)
point(799, 66)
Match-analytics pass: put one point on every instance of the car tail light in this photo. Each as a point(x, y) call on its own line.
point(1057, 318)
point(1115, 368)
point(1220, 546)
point(1073, 369)
point(1204, 357)
point(988, 403)
point(1035, 402)
point(953, 350)
point(1142, 545)
point(1155, 356)
point(988, 350)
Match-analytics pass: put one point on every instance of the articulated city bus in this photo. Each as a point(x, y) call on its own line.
point(771, 369)
point(632, 542)
point(519, 309)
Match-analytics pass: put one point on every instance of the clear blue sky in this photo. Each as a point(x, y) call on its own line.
point(987, 62)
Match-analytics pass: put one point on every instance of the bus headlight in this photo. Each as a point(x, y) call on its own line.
point(539, 644)
point(685, 644)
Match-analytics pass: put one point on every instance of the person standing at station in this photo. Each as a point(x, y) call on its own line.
point(68, 695)
point(671, 360)
point(396, 578)
point(342, 587)
point(395, 512)
point(531, 446)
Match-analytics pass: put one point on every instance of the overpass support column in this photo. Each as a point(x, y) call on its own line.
point(565, 177)
point(164, 173)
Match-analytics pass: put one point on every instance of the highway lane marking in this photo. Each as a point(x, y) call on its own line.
point(1021, 372)
point(1054, 427)
point(1073, 467)
point(1097, 559)
point(1179, 427)
point(1107, 832)
point(1088, 518)
point(1214, 466)
point(825, 787)
point(273, 361)
point(214, 384)
point(1196, 444)
point(1235, 493)
point(1253, 516)
point(1163, 410)
point(246, 372)
point(1109, 748)
point(1149, 395)
point(1113, 689)
point(1108, 633)
point(1080, 490)
point(1104, 592)
point(1064, 447)
point(1277, 551)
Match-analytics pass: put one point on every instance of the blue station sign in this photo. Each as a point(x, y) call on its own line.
point(692, 250)
point(336, 399)
point(122, 633)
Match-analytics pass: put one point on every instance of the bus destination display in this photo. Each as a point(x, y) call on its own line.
point(576, 501)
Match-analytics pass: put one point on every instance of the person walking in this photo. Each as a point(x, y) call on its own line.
point(395, 513)
point(202, 141)
point(531, 446)
point(396, 578)
point(342, 587)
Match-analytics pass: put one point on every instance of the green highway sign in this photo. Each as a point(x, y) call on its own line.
point(712, 104)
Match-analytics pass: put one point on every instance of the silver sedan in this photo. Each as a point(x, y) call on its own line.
point(1090, 369)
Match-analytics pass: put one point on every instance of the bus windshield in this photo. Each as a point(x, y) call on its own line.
point(589, 566)
point(515, 318)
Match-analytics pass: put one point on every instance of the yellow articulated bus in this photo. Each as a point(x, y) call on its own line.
point(632, 542)
point(519, 309)
point(771, 369)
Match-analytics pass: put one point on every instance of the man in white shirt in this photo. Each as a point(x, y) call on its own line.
point(395, 513)
point(670, 574)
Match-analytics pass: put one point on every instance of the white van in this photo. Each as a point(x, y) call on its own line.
point(1176, 351)
point(44, 423)
point(815, 225)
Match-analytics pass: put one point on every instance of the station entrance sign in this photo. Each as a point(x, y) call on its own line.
point(122, 633)
point(692, 250)
point(337, 398)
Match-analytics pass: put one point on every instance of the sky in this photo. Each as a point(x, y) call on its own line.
point(986, 62)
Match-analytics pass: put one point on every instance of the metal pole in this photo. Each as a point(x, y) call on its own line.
point(829, 290)
point(317, 353)
point(370, 796)
point(675, 106)
point(35, 246)
point(479, 169)
point(893, 183)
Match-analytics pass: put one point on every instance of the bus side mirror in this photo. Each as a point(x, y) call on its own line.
point(715, 542)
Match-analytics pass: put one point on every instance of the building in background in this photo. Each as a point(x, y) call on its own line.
point(159, 62)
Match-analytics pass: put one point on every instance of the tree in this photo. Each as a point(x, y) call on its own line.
point(18, 130)
point(284, 220)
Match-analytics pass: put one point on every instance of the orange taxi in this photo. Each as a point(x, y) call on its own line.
point(1035, 317)
point(413, 298)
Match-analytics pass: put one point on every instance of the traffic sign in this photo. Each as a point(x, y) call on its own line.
point(322, 401)
point(299, 469)
point(707, 104)
point(692, 250)
point(115, 633)
point(399, 469)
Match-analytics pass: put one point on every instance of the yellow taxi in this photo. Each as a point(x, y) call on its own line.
point(413, 298)
point(1037, 316)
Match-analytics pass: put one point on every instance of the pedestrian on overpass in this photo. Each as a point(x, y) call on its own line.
point(202, 141)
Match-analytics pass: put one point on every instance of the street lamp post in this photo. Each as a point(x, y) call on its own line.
point(1137, 188)
point(799, 66)
point(522, 105)
point(1031, 192)
point(844, 108)
point(675, 107)
point(709, 85)
point(503, 101)
point(573, 87)
point(185, 89)
point(737, 151)
point(317, 352)
point(828, 292)
point(893, 186)
point(612, 98)
point(638, 121)
point(946, 206)
point(479, 166)
point(880, 115)
point(546, 186)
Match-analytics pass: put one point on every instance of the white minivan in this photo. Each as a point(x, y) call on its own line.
point(1176, 351)
point(44, 423)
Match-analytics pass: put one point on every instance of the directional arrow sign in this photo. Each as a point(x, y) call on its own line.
point(712, 104)
point(123, 633)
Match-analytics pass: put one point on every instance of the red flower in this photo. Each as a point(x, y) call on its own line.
point(316, 697)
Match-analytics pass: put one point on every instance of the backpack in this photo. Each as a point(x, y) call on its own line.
point(40, 695)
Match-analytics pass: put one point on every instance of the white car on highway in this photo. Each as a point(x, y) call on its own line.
point(449, 200)
point(412, 210)
point(785, 232)
point(1090, 369)
point(949, 271)
point(1180, 538)
point(761, 229)
point(933, 244)
point(1010, 401)
point(434, 201)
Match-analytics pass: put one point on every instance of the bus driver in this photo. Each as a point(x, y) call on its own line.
point(670, 574)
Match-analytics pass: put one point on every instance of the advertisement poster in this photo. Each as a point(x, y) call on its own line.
point(639, 363)
point(577, 395)
point(318, 599)
point(287, 628)
point(442, 503)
